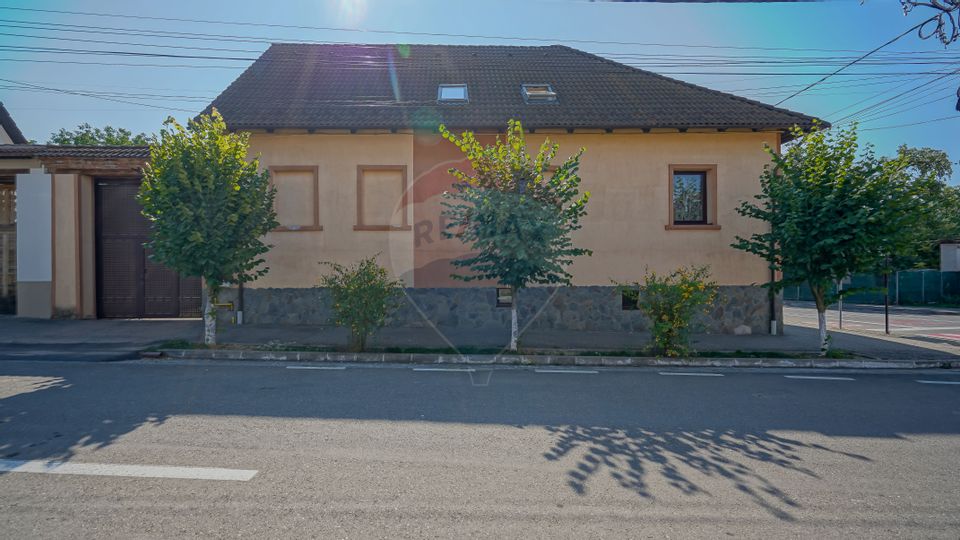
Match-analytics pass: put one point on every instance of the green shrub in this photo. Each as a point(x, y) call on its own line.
point(671, 302)
point(363, 296)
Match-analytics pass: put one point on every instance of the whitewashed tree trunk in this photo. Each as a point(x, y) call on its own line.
point(209, 318)
point(822, 323)
point(819, 298)
point(514, 327)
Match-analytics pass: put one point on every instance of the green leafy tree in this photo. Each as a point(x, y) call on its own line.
point(364, 295)
point(671, 301)
point(516, 220)
point(208, 206)
point(930, 170)
point(833, 211)
point(926, 162)
point(87, 135)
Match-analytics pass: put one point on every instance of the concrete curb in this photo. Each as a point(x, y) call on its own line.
point(547, 360)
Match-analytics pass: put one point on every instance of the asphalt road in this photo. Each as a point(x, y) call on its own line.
point(268, 451)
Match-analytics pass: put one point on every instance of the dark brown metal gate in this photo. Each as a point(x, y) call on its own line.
point(129, 284)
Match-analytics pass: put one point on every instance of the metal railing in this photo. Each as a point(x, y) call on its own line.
point(907, 287)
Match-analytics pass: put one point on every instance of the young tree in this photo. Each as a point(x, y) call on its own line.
point(832, 212)
point(364, 295)
point(516, 221)
point(87, 135)
point(208, 206)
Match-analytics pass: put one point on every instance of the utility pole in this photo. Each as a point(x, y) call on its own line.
point(886, 303)
point(840, 302)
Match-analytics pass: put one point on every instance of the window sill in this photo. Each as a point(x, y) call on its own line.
point(704, 227)
point(382, 228)
point(305, 228)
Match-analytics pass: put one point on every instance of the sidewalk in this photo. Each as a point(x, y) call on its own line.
point(796, 339)
point(87, 340)
point(118, 339)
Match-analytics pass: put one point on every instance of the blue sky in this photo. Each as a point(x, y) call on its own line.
point(747, 49)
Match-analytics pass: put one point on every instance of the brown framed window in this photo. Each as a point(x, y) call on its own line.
point(382, 198)
point(504, 297)
point(297, 202)
point(693, 197)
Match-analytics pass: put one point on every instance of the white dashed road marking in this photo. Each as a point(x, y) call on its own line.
point(817, 378)
point(692, 374)
point(937, 382)
point(461, 370)
point(585, 371)
point(135, 471)
point(318, 367)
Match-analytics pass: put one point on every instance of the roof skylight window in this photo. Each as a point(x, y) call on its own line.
point(452, 93)
point(538, 93)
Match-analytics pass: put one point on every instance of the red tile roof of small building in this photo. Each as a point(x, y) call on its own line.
point(91, 152)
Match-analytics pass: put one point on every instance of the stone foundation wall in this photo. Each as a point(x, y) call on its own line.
point(738, 309)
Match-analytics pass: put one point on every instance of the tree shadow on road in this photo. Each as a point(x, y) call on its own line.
point(630, 456)
point(24, 434)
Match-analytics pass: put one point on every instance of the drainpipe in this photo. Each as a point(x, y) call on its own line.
point(240, 304)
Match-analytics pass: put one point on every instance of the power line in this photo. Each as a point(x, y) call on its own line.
point(901, 110)
point(915, 88)
point(787, 88)
point(105, 98)
point(941, 119)
point(366, 65)
point(60, 50)
point(187, 35)
point(151, 97)
point(854, 104)
point(732, 73)
point(909, 100)
point(77, 62)
point(664, 60)
point(798, 92)
point(111, 42)
point(207, 91)
point(715, 58)
point(411, 33)
point(678, 59)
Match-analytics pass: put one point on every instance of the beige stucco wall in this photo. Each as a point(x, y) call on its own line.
point(628, 178)
point(294, 259)
point(88, 269)
point(5, 137)
point(74, 270)
point(66, 276)
point(627, 175)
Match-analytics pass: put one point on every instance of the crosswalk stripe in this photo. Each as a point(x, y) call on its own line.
point(135, 471)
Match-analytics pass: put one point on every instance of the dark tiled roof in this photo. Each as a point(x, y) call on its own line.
point(6, 121)
point(90, 152)
point(311, 86)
